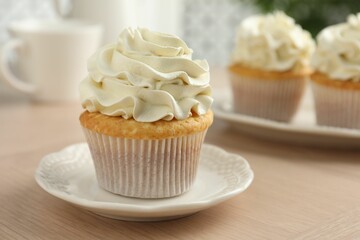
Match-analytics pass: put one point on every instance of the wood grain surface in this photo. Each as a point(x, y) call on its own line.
point(298, 192)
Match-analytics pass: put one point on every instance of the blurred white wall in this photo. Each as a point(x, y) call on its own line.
point(21, 9)
point(161, 15)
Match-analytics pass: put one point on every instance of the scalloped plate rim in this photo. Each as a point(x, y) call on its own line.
point(91, 205)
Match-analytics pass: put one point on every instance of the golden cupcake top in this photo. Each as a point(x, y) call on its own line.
point(338, 50)
point(130, 128)
point(273, 42)
point(147, 76)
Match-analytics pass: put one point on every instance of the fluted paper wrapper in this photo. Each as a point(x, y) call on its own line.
point(145, 168)
point(336, 107)
point(270, 99)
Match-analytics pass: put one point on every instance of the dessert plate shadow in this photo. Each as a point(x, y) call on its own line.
point(70, 175)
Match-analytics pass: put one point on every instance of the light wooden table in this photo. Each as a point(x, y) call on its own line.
point(298, 192)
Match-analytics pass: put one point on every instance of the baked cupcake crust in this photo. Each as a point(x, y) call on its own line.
point(268, 75)
point(325, 80)
point(129, 128)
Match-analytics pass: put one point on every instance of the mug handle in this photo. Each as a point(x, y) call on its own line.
point(7, 74)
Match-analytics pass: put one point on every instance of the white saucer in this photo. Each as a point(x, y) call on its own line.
point(302, 130)
point(70, 176)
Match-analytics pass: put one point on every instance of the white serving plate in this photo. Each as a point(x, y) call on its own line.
point(69, 175)
point(301, 130)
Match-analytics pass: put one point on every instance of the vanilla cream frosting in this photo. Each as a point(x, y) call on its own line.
point(338, 51)
point(148, 76)
point(273, 42)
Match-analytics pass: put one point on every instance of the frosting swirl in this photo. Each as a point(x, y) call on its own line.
point(273, 42)
point(338, 51)
point(148, 76)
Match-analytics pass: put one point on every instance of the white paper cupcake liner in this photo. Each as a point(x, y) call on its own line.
point(145, 168)
point(336, 107)
point(270, 99)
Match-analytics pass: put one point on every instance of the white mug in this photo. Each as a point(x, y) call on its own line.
point(113, 15)
point(51, 57)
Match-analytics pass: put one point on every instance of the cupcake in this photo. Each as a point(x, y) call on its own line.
point(336, 80)
point(147, 109)
point(270, 65)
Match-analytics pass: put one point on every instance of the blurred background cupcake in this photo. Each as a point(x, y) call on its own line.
point(336, 81)
point(270, 65)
